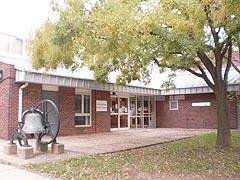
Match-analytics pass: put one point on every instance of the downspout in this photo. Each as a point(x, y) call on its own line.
point(20, 101)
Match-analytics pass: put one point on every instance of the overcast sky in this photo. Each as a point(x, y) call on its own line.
point(21, 17)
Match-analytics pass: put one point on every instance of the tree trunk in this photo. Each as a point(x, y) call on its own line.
point(223, 131)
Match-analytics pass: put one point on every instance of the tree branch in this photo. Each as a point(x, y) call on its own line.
point(209, 83)
point(195, 73)
point(229, 61)
point(211, 25)
point(225, 50)
point(235, 67)
point(202, 75)
point(207, 62)
point(157, 62)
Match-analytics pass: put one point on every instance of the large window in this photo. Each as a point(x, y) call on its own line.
point(82, 109)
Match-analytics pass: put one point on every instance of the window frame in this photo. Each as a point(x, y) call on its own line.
point(170, 105)
point(83, 93)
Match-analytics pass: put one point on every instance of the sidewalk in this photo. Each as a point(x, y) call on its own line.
point(13, 173)
point(89, 144)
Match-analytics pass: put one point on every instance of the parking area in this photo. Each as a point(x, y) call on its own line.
point(89, 144)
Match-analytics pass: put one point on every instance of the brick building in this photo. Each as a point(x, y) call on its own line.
point(86, 106)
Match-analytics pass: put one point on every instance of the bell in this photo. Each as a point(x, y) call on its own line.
point(33, 124)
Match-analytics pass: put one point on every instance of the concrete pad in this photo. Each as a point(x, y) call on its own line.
point(88, 144)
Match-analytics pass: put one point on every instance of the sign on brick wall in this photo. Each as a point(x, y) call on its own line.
point(101, 105)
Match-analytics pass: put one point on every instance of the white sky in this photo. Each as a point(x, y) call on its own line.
point(22, 17)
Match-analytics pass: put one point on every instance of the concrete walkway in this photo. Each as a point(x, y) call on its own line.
point(89, 144)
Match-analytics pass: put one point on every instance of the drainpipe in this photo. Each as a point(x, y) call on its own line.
point(20, 100)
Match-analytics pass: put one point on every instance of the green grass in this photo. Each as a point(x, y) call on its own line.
point(192, 156)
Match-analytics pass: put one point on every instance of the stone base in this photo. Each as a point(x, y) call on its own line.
point(25, 152)
point(10, 149)
point(42, 147)
point(57, 148)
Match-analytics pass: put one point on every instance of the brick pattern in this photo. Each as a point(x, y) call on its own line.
point(8, 101)
point(100, 120)
point(233, 114)
point(13, 102)
point(67, 114)
point(192, 117)
point(32, 94)
point(103, 119)
point(4, 100)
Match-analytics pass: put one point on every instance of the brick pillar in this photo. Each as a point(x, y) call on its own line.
point(103, 119)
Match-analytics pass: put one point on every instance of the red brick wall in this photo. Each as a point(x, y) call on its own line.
point(103, 119)
point(191, 117)
point(8, 101)
point(233, 114)
point(4, 100)
point(100, 120)
point(32, 94)
point(67, 114)
point(13, 103)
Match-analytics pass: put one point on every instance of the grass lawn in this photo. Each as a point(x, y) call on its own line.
point(193, 158)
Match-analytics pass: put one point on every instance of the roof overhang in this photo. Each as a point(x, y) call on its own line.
point(199, 90)
point(44, 78)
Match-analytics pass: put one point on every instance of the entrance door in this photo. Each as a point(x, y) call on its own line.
point(53, 96)
point(119, 113)
point(238, 114)
point(123, 113)
point(141, 112)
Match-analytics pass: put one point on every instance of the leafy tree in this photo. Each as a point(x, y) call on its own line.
point(127, 36)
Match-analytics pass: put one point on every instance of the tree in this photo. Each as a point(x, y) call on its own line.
point(128, 36)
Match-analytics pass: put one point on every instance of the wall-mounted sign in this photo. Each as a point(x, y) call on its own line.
point(160, 98)
point(177, 97)
point(199, 104)
point(101, 105)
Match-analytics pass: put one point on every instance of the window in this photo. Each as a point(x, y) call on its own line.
point(82, 110)
point(173, 105)
point(17, 46)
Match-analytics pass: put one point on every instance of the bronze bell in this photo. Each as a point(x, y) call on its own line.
point(33, 124)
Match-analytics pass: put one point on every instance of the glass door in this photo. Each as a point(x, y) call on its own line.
point(123, 113)
point(140, 111)
point(146, 110)
point(133, 114)
point(114, 112)
point(119, 113)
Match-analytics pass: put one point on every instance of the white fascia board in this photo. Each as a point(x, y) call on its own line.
point(43, 78)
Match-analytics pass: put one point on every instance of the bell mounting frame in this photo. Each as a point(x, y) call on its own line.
point(51, 123)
